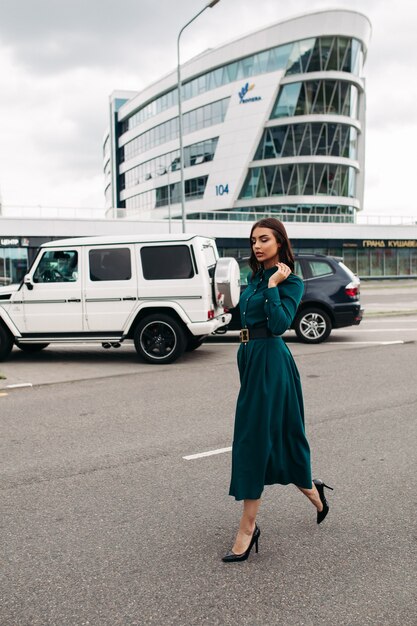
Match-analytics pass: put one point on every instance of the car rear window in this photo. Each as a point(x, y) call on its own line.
point(166, 262)
point(320, 268)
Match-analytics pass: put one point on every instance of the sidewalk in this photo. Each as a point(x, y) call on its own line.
point(389, 297)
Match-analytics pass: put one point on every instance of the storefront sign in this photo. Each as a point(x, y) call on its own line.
point(389, 243)
point(9, 242)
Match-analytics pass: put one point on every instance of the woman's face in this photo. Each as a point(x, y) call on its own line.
point(265, 246)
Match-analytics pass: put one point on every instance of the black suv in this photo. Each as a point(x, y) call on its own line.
point(330, 300)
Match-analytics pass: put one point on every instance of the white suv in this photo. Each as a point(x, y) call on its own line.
point(166, 293)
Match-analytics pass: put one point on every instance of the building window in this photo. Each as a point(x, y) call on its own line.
point(325, 54)
point(308, 139)
point(304, 179)
point(309, 55)
point(167, 195)
point(334, 97)
point(166, 263)
point(203, 117)
point(195, 154)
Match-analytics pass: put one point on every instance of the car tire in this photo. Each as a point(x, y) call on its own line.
point(194, 342)
point(6, 342)
point(159, 339)
point(312, 325)
point(31, 347)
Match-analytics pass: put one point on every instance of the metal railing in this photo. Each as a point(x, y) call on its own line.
point(47, 212)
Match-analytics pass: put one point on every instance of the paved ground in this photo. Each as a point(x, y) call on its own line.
point(104, 523)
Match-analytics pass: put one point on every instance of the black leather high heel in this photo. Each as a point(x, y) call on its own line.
point(231, 557)
point(320, 485)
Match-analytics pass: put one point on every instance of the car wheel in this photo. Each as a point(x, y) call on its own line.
point(159, 339)
point(194, 342)
point(32, 347)
point(6, 343)
point(312, 325)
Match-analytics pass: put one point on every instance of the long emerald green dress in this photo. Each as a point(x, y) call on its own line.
point(269, 441)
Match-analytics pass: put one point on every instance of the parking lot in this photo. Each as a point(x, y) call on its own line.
point(105, 522)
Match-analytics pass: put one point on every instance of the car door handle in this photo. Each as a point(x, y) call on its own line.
point(74, 300)
point(130, 298)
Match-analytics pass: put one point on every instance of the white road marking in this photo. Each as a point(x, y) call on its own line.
point(372, 330)
point(16, 385)
point(209, 453)
point(377, 343)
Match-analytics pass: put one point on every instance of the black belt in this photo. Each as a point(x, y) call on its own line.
point(247, 334)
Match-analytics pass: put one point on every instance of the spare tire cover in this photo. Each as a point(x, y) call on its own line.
point(227, 281)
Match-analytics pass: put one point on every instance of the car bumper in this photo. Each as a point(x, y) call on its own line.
point(206, 328)
point(348, 315)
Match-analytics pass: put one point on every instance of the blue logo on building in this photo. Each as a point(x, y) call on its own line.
point(244, 91)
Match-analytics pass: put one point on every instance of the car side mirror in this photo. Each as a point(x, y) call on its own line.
point(28, 282)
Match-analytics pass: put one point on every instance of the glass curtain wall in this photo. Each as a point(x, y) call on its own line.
point(309, 55)
point(307, 139)
point(304, 179)
point(196, 153)
point(325, 96)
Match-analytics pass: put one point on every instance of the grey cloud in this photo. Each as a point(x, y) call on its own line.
point(54, 35)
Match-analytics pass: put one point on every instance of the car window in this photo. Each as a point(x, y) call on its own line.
point(166, 262)
point(298, 269)
point(320, 268)
point(110, 264)
point(57, 266)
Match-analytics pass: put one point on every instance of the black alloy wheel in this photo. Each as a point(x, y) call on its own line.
point(312, 325)
point(159, 339)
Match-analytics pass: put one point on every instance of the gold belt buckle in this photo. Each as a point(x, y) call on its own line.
point(244, 335)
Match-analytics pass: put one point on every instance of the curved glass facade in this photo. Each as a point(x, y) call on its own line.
point(299, 179)
point(196, 153)
point(202, 117)
point(309, 55)
point(167, 195)
point(285, 212)
point(307, 139)
point(331, 97)
point(325, 54)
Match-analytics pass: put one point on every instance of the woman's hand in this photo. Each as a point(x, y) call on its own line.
point(280, 275)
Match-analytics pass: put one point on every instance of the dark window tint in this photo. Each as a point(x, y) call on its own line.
point(320, 268)
point(110, 264)
point(166, 262)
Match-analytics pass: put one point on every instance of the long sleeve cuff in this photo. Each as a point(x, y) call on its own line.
point(272, 295)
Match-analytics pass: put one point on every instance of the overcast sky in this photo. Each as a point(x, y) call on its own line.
point(60, 60)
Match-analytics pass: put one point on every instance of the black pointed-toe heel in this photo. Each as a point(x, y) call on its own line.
point(231, 557)
point(320, 485)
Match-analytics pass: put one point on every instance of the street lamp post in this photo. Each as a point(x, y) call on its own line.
point(165, 170)
point(209, 5)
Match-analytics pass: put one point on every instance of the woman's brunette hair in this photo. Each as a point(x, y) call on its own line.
point(286, 254)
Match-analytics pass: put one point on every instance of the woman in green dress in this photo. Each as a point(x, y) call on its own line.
point(269, 441)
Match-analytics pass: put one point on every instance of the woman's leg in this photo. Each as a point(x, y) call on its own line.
point(246, 526)
point(313, 495)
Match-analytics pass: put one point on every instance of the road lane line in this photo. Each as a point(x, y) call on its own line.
point(17, 385)
point(209, 453)
point(374, 343)
point(373, 330)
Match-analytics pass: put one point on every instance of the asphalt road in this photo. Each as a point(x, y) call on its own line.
point(103, 522)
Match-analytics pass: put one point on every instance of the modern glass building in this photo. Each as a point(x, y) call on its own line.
point(273, 123)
